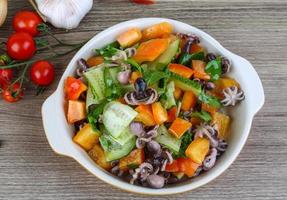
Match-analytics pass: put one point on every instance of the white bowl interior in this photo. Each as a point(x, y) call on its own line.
point(242, 114)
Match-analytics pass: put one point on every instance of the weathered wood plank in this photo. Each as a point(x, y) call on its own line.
point(257, 30)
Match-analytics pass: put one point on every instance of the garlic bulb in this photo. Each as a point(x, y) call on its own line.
point(64, 13)
point(3, 11)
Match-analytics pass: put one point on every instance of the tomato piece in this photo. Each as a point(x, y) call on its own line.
point(74, 88)
point(12, 93)
point(187, 166)
point(21, 46)
point(6, 76)
point(27, 21)
point(173, 167)
point(171, 114)
point(42, 73)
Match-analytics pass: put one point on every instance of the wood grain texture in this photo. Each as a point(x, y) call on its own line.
point(256, 30)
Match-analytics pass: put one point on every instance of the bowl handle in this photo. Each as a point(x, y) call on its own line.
point(256, 85)
point(54, 124)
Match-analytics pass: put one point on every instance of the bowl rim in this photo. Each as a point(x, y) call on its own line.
point(95, 170)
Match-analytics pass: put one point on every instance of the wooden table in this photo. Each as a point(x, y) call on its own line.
point(256, 30)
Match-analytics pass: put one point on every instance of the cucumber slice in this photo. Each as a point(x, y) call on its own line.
point(91, 98)
point(114, 73)
point(186, 84)
point(95, 78)
point(125, 149)
point(125, 136)
point(167, 56)
point(117, 117)
point(166, 139)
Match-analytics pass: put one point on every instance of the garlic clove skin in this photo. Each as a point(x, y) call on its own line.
point(64, 13)
point(3, 11)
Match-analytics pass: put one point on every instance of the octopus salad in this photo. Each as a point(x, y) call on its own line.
point(150, 107)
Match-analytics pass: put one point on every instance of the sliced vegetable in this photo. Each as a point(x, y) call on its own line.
point(150, 50)
point(130, 37)
point(223, 122)
point(185, 84)
point(95, 113)
point(199, 70)
point(177, 93)
point(90, 99)
point(76, 111)
point(125, 149)
point(171, 114)
point(187, 166)
point(208, 108)
point(125, 136)
point(197, 150)
point(112, 87)
point(179, 127)
point(196, 48)
point(109, 50)
point(74, 88)
point(133, 160)
point(98, 155)
point(203, 115)
point(167, 56)
point(157, 31)
point(210, 100)
point(117, 117)
point(145, 115)
point(213, 68)
point(185, 141)
point(173, 167)
point(169, 100)
point(167, 140)
point(223, 83)
point(87, 137)
point(188, 101)
point(95, 60)
point(159, 113)
point(181, 70)
point(95, 78)
point(185, 59)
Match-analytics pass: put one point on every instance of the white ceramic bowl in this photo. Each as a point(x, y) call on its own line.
point(60, 133)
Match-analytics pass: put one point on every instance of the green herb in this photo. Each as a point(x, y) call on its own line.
point(210, 100)
point(185, 59)
point(135, 65)
point(112, 89)
point(185, 141)
point(109, 50)
point(205, 116)
point(153, 76)
point(94, 114)
point(213, 68)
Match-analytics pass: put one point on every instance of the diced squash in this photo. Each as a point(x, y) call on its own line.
point(197, 150)
point(179, 127)
point(199, 70)
point(181, 70)
point(159, 113)
point(188, 101)
point(134, 76)
point(74, 88)
point(130, 37)
point(87, 137)
point(195, 121)
point(196, 48)
point(76, 111)
point(145, 115)
point(223, 83)
point(177, 93)
point(208, 108)
point(150, 50)
point(98, 155)
point(222, 122)
point(187, 166)
point(95, 60)
point(171, 114)
point(133, 160)
point(157, 31)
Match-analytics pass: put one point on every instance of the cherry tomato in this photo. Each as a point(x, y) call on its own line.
point(27, 21)
point(6, 76)
point(42, 73)
point(12, 93)
point(21, 46)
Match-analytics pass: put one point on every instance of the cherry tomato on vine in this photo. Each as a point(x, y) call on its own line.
point(27, 21)
point(12, 93)
point(42, 73)
point(21, 46)
point(6, 76)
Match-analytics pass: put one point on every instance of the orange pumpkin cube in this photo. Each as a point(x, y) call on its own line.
point(134, 159)
point(76, 111)
point(130, 37)
point(157, 31)
point(222, 121)
point(179, 127)
point(87, 137)
point(145, 115)
point(159, 113)
point(95, 60)
point(197, 150)
point(98, 155)
point(188, 101)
